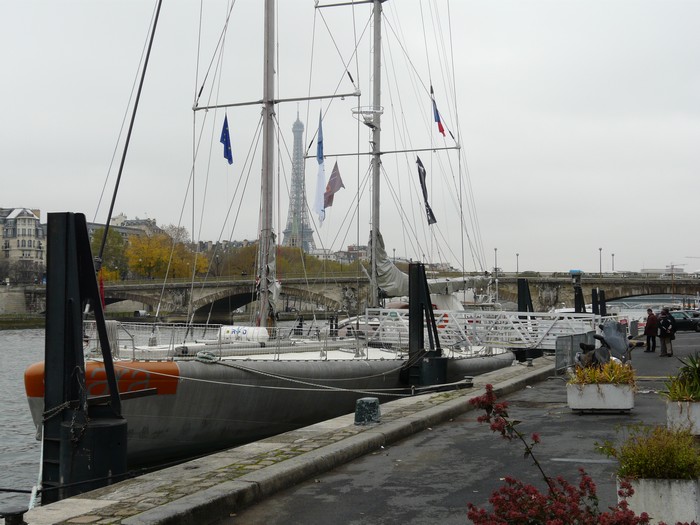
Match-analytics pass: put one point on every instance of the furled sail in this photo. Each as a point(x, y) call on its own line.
point(394, 283)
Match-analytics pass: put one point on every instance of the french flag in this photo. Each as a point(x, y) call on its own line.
point(436, 113)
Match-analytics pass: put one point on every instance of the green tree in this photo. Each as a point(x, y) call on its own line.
point(114, 259)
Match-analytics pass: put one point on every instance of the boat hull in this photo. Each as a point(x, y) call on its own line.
point(201, 407)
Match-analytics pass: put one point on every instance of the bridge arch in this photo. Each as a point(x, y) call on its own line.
point(114, 296)
point(313, 297)
point(233, 297)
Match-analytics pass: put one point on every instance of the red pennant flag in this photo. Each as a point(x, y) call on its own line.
point(101, 282)
point(333, 186)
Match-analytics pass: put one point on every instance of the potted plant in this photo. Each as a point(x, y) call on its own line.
point(683, 394)
point(601, 388)
point(662, 465)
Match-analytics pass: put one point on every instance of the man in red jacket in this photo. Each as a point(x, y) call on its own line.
point(651, 330)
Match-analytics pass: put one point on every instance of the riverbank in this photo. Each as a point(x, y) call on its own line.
point(19, 322)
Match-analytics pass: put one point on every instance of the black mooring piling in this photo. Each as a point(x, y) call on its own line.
point(84, 446)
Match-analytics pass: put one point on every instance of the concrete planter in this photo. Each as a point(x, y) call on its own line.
point(667, 500)
point(600, 397)
point(683, 414)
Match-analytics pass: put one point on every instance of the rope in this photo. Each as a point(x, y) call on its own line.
point(36, 489)
point(382, 392)
point(244, 385)
point(52, 412)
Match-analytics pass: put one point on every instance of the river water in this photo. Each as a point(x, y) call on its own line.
point(19, 449)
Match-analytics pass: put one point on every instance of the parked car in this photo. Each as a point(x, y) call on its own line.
point(685, 322)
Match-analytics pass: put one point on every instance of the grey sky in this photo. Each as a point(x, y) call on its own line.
point(580, 120)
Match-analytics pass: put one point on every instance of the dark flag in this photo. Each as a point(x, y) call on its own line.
point(421, 176)
point(333, 186)
point(226, 141)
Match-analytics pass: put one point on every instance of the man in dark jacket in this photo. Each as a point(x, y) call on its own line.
point(666, 330)
point(651, 329)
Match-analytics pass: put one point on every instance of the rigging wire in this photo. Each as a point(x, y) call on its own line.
point(126, 114)
point(197, 142)
point(128, 134)
point(474, 242)
point(219, 44)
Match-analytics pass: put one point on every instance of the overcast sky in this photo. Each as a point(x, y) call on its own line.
point(579, 121)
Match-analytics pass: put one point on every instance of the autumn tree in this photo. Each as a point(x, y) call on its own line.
point(240, 261)
point(150, 256)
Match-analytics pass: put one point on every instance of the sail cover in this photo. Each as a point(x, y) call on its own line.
point(394, 282)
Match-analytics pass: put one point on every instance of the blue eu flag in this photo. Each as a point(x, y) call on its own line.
point(226, 141)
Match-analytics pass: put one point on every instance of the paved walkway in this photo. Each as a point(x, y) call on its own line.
point(219, 488)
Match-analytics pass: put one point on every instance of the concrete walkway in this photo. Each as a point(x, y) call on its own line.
point(215, 489)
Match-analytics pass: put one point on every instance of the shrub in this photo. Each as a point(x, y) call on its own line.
point(656, 452)
point(685, 385)
point(563, 503)
point(611, 372)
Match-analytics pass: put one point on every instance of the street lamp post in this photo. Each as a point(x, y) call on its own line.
point(600, 262)
point(613, 263)
point(495, 269)
point(517, 264)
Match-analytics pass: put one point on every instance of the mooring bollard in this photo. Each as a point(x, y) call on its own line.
point(367, 411)
point(14, 515)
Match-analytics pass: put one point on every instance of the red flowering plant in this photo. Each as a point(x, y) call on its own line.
point(562, 503)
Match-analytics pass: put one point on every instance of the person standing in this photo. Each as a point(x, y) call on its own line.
point(666, 333)
point(651, 329)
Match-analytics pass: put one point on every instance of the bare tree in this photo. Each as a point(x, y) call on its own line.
point(26, 272)
point(4, 270)
point(177, 233)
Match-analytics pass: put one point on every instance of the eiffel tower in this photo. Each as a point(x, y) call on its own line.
point(298, 232)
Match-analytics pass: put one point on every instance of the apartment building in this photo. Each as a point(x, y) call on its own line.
point(23, 243)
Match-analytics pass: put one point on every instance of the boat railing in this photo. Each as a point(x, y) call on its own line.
point(378, 327)
point(164, 341)
point(491, 329)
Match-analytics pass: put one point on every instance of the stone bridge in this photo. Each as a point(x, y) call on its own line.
point(223, 296)
point(557, 291)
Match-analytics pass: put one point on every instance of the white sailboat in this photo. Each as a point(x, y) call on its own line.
point(216, 393)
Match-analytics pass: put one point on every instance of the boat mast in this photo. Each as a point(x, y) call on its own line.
point(376, 151)
point(268, 161)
